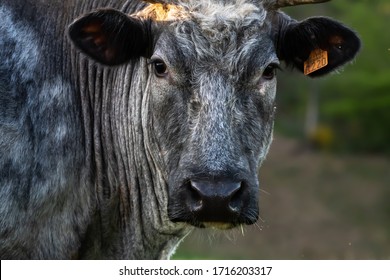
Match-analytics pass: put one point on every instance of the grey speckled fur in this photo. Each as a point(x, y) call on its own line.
point(91, 156)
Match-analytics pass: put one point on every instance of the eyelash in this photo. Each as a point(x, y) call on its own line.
point(271, 67)
point(160, 67)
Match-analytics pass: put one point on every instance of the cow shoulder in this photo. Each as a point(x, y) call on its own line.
point(40, 145)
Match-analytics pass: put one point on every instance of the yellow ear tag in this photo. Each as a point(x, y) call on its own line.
point(318, 59)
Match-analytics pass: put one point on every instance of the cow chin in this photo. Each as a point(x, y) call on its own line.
point(215, 225)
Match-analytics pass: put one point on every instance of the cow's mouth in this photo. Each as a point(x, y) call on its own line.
point(216, 225)
point(220, 225)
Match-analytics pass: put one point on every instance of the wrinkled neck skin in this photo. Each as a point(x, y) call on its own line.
point(130, 219)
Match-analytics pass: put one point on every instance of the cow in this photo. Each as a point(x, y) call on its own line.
point(126, 124)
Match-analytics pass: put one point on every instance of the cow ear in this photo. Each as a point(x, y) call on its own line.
point(299, 40)
point(111, 37)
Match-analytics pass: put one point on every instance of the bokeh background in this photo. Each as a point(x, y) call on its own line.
point(325, 186)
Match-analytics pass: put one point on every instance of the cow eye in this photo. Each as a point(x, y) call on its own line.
point(160, 68)
point(270, 71)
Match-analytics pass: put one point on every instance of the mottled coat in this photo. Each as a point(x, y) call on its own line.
point(151, 122)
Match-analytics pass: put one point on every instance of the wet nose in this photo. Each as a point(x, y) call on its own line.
point(215, 201)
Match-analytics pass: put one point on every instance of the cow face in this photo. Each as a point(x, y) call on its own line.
point(210, 92)
point(216, 88)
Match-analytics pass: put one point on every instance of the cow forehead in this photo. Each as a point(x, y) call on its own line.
point(205, 11)
point(222, 21)
point(218, 31)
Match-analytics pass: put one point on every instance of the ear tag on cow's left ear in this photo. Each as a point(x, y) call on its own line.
point(318, 59)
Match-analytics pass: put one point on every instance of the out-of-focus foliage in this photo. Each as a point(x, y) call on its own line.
point(355, 103)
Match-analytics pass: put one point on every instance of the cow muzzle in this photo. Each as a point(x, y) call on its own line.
point(218, 203)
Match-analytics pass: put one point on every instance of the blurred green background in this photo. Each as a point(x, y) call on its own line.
point(326, 182)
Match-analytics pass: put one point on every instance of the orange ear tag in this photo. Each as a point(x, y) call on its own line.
point(318, 59)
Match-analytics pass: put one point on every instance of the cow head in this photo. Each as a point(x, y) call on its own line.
point(211, 90)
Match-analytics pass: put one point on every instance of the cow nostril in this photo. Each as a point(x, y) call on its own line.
point(195, 198)
point(235, 203)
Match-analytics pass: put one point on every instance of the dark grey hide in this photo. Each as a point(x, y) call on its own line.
point(121, 127)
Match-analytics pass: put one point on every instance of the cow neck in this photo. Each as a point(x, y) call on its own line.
point(131, 192)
